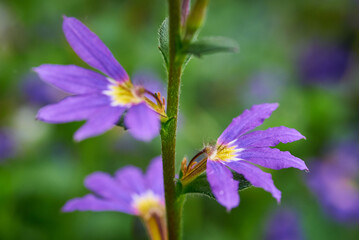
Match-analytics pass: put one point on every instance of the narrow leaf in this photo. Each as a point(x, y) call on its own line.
point(163, 40)
point(211, 45)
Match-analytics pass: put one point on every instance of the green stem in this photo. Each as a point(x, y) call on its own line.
point(168, 132)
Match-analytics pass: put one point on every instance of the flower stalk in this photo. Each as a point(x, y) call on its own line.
point(168, 131)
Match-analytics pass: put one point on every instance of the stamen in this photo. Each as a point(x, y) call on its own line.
point(164, 101)
point(194, 170)
point(155, 96)
point(195, 157)
point(126, 94)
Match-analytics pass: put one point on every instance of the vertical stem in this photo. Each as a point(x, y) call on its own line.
point(168, 132)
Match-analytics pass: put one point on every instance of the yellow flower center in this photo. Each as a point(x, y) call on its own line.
point(124, 94)
point(148, 204)
point(152, 211)
point(224, 152)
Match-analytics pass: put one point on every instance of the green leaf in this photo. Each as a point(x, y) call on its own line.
point(165, 124)
point(201, 186)
point(138, 230)
point(211, 45)
point(163, 40)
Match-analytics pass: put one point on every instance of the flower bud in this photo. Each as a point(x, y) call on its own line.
point(185, 10)
point(195, 18)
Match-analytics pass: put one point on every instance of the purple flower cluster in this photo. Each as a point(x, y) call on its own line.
point(284, 225)
point(103, 99)
point(99, 99)
point(238, 150)
point(324, 63)
point(333, 181)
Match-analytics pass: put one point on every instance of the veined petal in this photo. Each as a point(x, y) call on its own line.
point(143, 123)
point(91, 49)
point(272, 158)
point(248, 120)
point(256, 177)
point(73, 108)
point(92, 203)
point(223, 186)
point(154, 176)
point(99, 122)
point(269, 138)
point(72, 79)
point(107, 187)
point(131, 179)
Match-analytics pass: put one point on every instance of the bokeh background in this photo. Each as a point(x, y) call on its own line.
point(302, 54)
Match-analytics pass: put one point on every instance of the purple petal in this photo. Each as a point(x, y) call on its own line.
point(154, 176)
point(248, 120)
point(224, 188)
point(74, 108)
point(72, 79)
point(272, 158)
point(92, 203)
point(131, 179)
point(256, 177)
point(99, 122)
point(270, 137)
point(143, 123)
point(107, 187)
point(91, 49)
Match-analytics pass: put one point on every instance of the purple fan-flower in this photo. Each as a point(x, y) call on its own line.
point(284, 224)
point(129, 191)
point(98, 99)
point(324, 62)
point(334, 182)
point(238, 150)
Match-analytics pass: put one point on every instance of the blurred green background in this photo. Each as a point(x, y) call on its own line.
point(45, 167)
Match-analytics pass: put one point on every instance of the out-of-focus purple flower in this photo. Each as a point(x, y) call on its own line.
point(7, 145)
point(129, 191)
point(39, 93)
point(323, 62)
point(283, 225)
point(122, 192)
point(126, 144)
point(264, 86)
point(240, 151)
point(99, 99)
point(333, 181)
